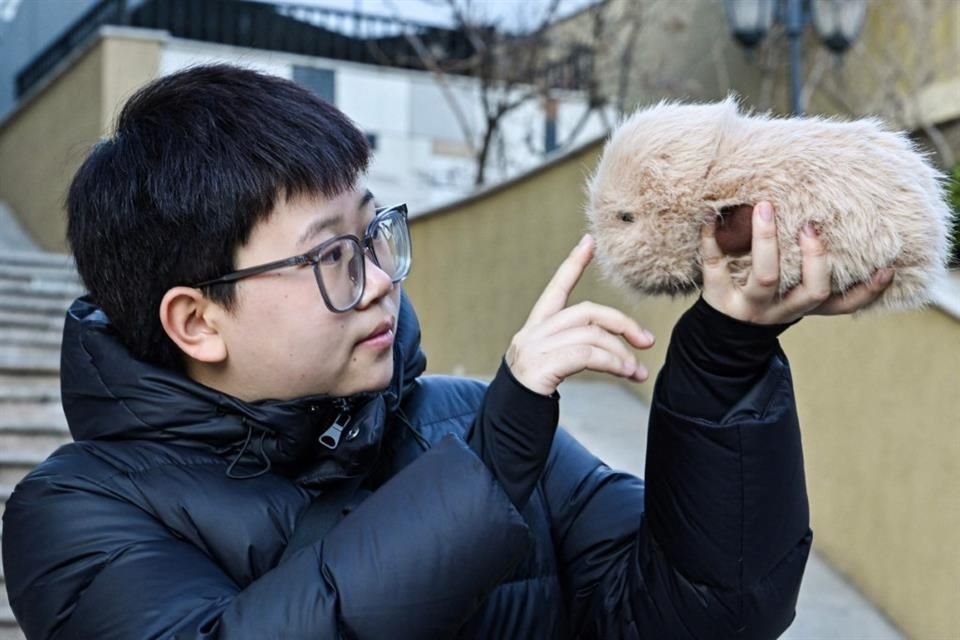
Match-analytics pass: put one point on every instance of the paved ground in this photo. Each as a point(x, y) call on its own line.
point(611, 422)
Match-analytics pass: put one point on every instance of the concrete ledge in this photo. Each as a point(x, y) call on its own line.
point(947, 295)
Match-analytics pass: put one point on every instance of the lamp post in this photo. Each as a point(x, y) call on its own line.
point(837, 22)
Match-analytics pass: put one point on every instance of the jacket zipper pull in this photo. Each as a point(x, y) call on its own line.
point(331, 437)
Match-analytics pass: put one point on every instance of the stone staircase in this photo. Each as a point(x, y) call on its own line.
point(35, 290)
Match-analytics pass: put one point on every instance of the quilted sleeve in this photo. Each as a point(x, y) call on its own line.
point(414, 560)
point(713, 546)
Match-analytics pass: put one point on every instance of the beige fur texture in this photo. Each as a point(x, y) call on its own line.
point(876, 200)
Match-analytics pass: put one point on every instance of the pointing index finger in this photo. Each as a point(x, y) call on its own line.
point(557, 292)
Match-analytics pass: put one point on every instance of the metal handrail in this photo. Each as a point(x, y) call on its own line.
point(104, 12)
point(289, 26)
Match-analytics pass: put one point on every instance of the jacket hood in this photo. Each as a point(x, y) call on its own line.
point(108, 394)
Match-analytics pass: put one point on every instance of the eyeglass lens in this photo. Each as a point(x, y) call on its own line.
point(340, 267)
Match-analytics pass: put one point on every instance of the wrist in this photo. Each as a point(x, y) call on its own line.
point(714, 317)
point(520, 378)
point(722, 345)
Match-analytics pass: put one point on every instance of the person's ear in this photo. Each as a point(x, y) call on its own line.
point(190, 319)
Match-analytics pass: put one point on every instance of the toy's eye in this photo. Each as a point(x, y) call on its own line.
point(625, 216)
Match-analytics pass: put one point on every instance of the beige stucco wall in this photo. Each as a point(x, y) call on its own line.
point(877, 396)
point(880, 409)
point(45, 140)
point(480, 267)
point(129, 62)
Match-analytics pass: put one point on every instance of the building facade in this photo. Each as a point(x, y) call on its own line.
point(424, 130)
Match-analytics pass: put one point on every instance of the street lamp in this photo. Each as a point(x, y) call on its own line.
point(837, 22)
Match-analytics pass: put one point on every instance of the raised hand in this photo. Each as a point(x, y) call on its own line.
point(758, 301)
point(558, 341)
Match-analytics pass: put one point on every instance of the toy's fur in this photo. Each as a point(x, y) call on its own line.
point(876, 201)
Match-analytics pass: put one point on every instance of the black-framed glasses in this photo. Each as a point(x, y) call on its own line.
point(339, 264)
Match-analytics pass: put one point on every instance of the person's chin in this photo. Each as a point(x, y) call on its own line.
point(376, 378)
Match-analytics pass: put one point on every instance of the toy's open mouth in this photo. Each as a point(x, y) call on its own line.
point(735, 229)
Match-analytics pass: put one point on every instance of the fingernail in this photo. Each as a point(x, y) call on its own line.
point(809, 230)
point(649, 336)
point(765, 211)
point(584, 241)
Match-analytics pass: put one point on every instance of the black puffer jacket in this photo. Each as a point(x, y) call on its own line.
point(140, 528)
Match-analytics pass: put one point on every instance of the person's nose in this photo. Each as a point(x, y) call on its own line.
point(378, 284)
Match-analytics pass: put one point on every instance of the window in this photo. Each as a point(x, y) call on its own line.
point(320, 81)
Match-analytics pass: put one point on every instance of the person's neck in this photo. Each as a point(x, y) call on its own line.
point(220, 377)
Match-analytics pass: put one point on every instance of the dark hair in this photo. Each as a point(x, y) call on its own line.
point(198, 159)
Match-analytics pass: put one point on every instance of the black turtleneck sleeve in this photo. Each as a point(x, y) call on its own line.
point(513, 433)
point(714, 360)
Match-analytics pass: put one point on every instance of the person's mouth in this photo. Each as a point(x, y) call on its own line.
point(381, 336)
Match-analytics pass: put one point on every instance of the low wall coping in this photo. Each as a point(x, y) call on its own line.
point(946, 294)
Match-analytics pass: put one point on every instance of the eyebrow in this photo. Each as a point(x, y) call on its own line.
point(318, 226)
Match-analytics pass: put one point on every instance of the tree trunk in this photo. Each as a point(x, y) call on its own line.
point(484, 152)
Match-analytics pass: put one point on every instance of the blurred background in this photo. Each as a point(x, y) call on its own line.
point(486, 116)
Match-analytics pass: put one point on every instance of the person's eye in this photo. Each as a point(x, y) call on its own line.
point(331, 255)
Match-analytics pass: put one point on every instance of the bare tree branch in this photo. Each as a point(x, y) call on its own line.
point(512, 67)
point(431, 63)
point(720, 65)
point(634, 21)
point(820, 63)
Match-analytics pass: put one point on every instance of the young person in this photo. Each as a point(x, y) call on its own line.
point(257, 454)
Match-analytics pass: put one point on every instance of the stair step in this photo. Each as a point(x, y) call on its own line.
point(36, 288)
point(47, 442)
point(14, 465)
point(40, 288)
point(26, 320)
point(34, 337)
point(31, 273)
point(36, 258)
point(10, 630)
point(6, 615)
point(4, 599)
point(20, 388)
point(35, 305)
point(31, 416)
point(8, 624)
point(32, 427)
point(29, 359)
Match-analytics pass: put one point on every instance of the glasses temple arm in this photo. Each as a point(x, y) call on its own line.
point(257, 270)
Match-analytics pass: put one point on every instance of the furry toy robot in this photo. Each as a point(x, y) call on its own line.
point(666, 170)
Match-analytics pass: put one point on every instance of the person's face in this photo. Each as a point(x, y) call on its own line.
point(282, 341)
